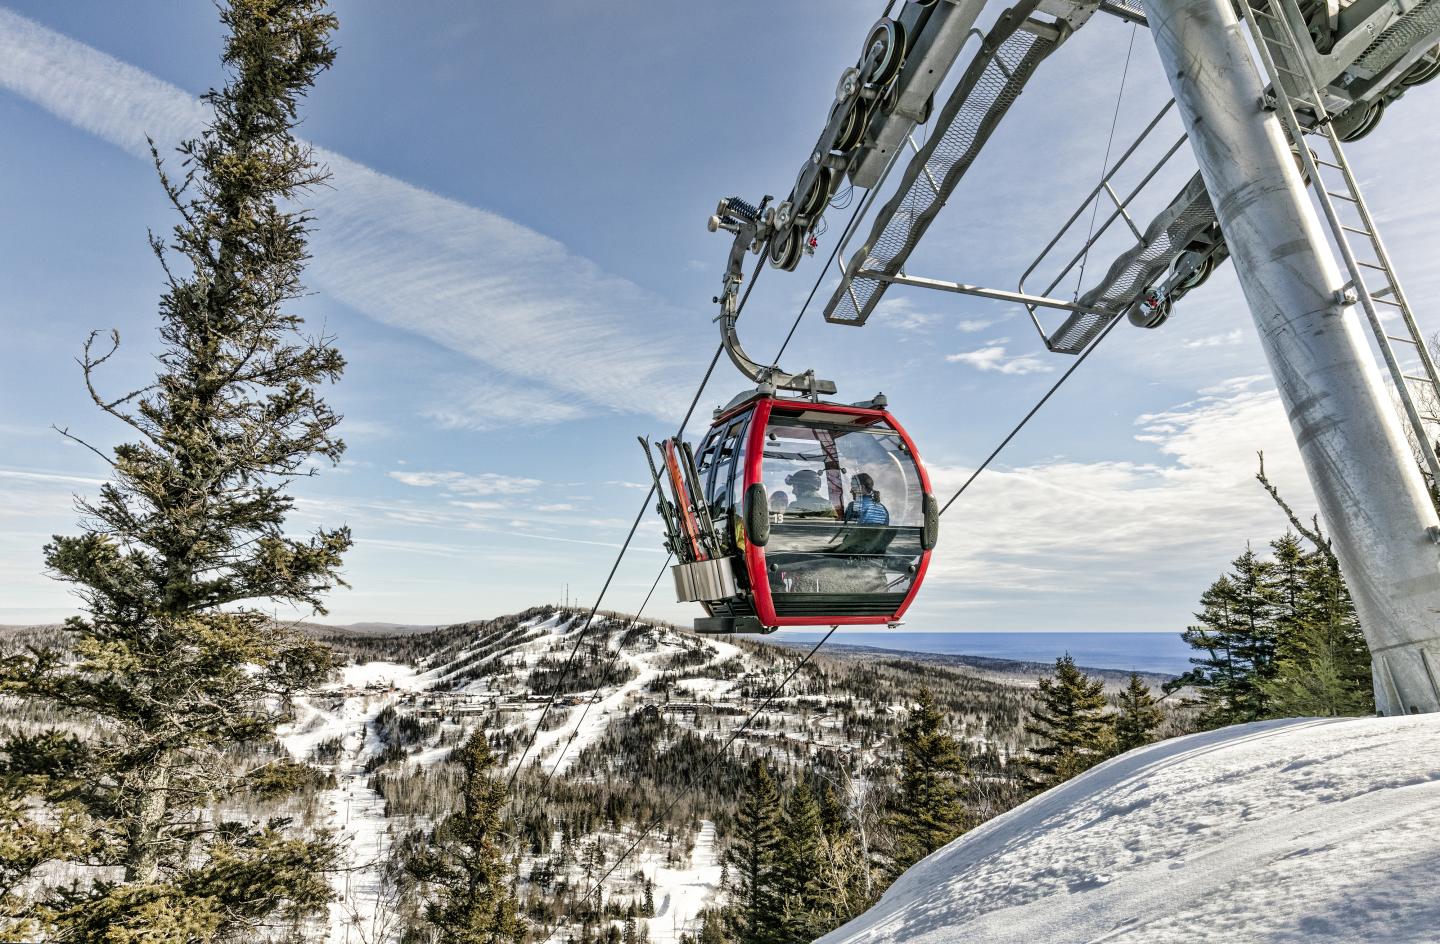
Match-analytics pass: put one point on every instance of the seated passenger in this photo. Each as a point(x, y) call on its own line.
point(865, 507)
point(779, 501)
point(808, 502)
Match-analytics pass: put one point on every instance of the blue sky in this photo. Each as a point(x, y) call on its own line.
point(513, 256)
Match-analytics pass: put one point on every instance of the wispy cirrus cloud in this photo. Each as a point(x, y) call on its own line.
point(463, 483)
point(993, 357)
point(903, 314)
point(541, 317)
point(480, 406)
point(1216, 340)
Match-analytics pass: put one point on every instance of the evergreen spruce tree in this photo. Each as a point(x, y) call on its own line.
point(465, 862)
point(1072, 724)
point(1322, 658)
point(1238, 633)
point(712, 928)
point(631, 933)
point(755, 857)
point(927, 810)
point(1138, 718)
point(1258, 606)
point(802, 867)
point(1294, 607)
point(173, 668)
point(1323, 661)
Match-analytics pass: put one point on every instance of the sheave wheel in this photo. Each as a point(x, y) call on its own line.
point(1423, 71)
point(852, 131)
point(814, 201)
point(1367, 124)
point(1198, 277)
point(888, 41)
point(786, 247)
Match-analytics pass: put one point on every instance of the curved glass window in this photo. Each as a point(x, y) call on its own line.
point(846, 505)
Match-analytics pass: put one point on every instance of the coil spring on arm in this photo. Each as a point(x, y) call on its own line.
point(741, 210)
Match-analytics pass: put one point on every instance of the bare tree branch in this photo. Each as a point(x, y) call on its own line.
point(1311, 534)
point(72, 437)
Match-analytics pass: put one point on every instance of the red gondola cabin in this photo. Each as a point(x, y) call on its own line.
point(798, 513)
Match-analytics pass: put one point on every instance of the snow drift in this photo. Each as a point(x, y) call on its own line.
point(1301, 830)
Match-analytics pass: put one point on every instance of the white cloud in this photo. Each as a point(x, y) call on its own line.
point(560, 506)
point(25, 475)
point(902, 315)
point(540, 316)
point(1231, 385)
point(463, 483)
point(971, 325)
point(992, 357)
point(479, 406)
point(1066, 526)
point(1217, 340)
point(480, 505)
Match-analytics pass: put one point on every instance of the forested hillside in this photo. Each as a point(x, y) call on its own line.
point(637, 813)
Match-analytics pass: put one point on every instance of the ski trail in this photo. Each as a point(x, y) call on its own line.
point(686, 891)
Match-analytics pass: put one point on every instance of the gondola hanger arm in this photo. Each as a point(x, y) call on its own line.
point(752, 226)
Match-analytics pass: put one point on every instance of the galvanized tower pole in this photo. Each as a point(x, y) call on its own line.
point(1366, 480)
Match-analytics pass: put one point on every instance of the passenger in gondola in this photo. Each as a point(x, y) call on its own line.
point(865, 506)
point(779, 502)
point(808, 502)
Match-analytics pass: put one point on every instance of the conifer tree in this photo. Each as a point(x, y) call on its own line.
point(1071, 722)
point(1323, 662)
point(1138, 718)
point(1237, 632)
point(802, 867)
point(928, 810)
point(712, 928)
point(756, 901)
point(465, 862)
point(173, 666)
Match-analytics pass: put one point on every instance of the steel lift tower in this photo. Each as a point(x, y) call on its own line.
point(1258, 84)
point(1365, 477)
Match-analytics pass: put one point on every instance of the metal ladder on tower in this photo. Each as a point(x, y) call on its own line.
point(1293, 84)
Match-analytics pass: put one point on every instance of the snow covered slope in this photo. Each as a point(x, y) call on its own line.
point(1304, 830)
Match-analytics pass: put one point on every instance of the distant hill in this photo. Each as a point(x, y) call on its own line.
point(372, 629)
point(1008, 669)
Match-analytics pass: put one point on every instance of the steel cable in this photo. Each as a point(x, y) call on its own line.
point(1033, 410)
point(625, 546)
point(544, 789)
point(604, 680)
point(844, 234)
point(724, 751)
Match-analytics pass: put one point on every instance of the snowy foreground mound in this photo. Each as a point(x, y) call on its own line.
point(1307, 830)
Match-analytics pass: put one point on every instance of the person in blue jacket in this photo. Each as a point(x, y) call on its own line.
point(865, 506)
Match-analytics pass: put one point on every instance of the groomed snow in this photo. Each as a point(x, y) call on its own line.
point(681, 894)
point(380, 675)
point(1303, 830)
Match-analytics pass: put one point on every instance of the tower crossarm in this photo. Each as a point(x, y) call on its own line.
point(1009, 53)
